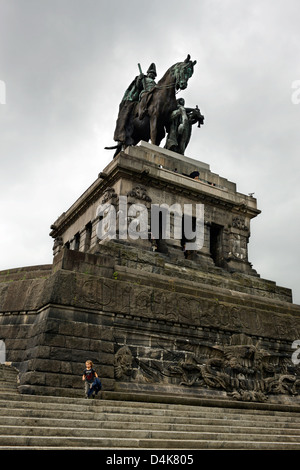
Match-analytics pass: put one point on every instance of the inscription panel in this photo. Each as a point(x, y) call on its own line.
point(164, 305)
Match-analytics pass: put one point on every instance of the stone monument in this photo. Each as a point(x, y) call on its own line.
point(151, 281)
point(150, 111)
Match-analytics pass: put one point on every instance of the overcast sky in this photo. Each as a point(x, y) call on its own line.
point(65, 65)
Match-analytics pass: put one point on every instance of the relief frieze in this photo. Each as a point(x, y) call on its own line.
point(242, 368)
point(163, 305)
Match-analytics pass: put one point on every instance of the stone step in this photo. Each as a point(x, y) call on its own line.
point(162, 402)
point(111, 418)
point(143, 434)
point(66, 404)
point(212, 425)
point(6, 387)
point(37, 442)
point(68, 417)
point(40, 422)
point(117, 425)
point(96, 411)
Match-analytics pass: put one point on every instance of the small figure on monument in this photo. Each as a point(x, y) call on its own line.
point(92, 382)
point(141, 84)
point(181, 121)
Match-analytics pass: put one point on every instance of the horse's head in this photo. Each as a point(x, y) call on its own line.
point(182, 72)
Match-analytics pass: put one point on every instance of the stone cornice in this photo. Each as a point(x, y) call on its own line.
point(148, 173)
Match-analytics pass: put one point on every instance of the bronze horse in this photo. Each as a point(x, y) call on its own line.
point(149, 119)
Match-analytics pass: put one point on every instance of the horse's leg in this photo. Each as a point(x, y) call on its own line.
point(153, 124)
point(141, 130)
point(157, 132)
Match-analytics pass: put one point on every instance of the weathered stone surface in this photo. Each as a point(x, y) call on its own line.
point(135, 421)
point(167, 329)
point(163, 177)
point(151, 320)
point(9, 378)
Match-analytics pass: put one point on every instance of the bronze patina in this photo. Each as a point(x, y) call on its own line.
point(150, 110)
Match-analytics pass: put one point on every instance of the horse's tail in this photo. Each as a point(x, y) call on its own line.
point(112, 148)
point(117, 147)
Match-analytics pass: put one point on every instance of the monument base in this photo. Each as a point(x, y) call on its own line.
point(204, 325)
point(150, 327)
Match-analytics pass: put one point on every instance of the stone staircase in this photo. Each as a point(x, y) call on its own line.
point(132, 421)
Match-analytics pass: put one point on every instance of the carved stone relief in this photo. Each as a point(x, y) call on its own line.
point(123, 363)
point(238, 246)
point(242, 368)
point(197, 311)
point(108, 194)
point(140, 192)
point(239, 223)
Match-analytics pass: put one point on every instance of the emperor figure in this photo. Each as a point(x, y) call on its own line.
point(141, 84)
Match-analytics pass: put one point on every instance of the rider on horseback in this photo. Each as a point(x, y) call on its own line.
point(141, 84)
point(146, 108)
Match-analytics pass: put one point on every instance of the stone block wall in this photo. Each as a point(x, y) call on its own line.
point(150, 175)
point(150, 326)
point(55, 359)
point(162, 321)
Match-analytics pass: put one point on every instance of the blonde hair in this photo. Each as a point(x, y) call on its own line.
point(89, 362)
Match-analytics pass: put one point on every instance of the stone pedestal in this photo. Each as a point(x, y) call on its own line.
point(149, 175)
point(151, 315)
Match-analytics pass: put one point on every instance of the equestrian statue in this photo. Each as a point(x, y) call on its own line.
point(150, 110)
